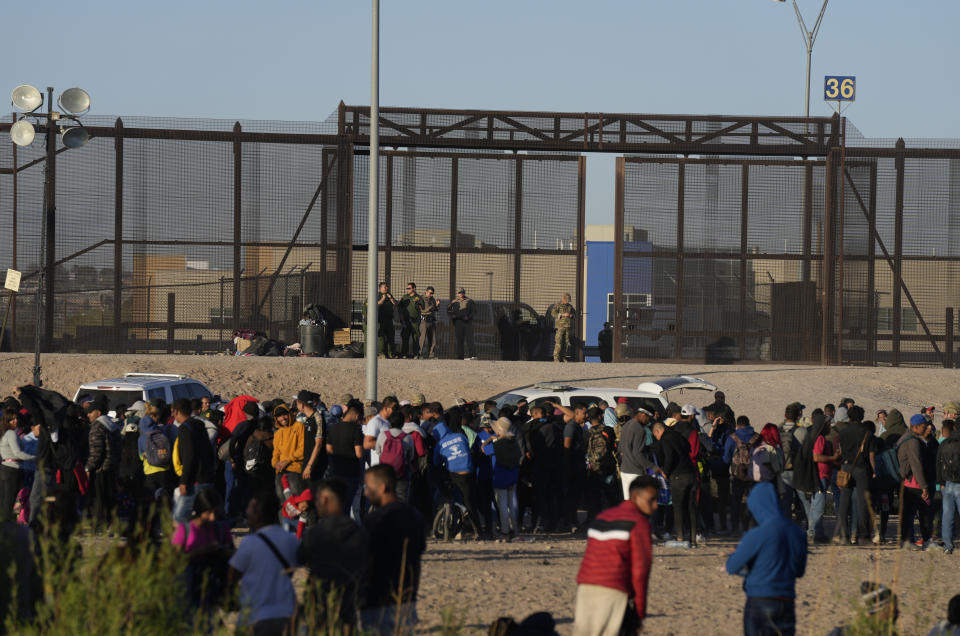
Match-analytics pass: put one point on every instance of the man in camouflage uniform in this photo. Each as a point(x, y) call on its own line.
point(429, 307)
point(409, 310)
point(563, 313)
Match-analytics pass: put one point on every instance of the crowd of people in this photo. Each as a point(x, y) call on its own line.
point(352, 490)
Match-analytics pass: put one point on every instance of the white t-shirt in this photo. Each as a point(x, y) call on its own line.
point(265, 589)
point(373, 428)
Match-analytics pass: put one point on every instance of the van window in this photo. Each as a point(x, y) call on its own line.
point(197, 391)
point(509, 399)
point(547, 398)
point(181, 391)
point(586, 400)
point(651, 404)
point(115, 398)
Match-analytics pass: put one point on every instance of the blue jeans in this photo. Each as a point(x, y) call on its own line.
point(183, 504)
point(769, 617)
point(951, 506)
point(815, 515)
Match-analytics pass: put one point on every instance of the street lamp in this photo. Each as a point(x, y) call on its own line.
point(809, 37)
point(74, 102)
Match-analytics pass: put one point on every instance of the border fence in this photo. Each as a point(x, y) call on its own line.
point(736, 238)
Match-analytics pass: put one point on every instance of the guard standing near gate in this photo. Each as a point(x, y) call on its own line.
point(563, 313)
point(409, 310)
point(385, 306)
point(460, 311)
point(429, 306)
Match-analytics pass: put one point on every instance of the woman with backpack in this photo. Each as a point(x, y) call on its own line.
point(766, 462)
point(506, 473)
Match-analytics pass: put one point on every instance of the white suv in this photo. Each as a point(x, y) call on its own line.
point(143, 386)
point(653, 396)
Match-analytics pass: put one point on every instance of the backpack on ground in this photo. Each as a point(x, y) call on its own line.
point(600, 446)
point(742, 457)
point(157, 450)
point(393, 453)
point(256, 455)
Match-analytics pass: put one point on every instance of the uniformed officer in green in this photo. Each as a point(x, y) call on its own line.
point(409, 310)
point(563, 314)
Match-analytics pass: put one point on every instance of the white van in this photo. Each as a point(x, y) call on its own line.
point(653, 396)
point(143, 386)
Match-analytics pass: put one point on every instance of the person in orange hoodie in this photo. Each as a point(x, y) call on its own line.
point(287, 450)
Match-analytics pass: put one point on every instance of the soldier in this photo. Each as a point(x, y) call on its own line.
point(429, 306)
point(563, 313)
point(461, 313)
point(409, 308)
point(385, 304)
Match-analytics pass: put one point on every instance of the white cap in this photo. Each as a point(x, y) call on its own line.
point(688, 410)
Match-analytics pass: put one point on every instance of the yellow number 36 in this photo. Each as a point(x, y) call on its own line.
point(839, 88)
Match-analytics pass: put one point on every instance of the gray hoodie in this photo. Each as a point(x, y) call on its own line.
point(633, 444)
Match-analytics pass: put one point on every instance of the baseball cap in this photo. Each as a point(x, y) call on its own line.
point(688, 410)
point(346, 398)
point(307, 397)
point(951, 407)
point(369, 411)
point(917, 420)
point(405, 403)
point(623, 410)
point(418, 400)
point(881, 412)
point(643, 410)
point(461, 291)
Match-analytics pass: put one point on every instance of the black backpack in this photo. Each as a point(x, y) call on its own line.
point(506, 451)
point(131, 467)
point(256, 455)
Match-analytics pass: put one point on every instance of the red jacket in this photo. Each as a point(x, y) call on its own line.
point(619, 553)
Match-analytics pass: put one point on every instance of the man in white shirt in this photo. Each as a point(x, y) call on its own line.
point(263, 563)
point(376, 425)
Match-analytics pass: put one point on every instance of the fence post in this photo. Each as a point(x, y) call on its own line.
point(948, 336)
point(118, 240)
point(171, 319)
point(828, 272)
point(618, 318)
point(898, 254)
point(237, 208)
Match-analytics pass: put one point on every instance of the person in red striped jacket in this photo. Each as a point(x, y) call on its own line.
point(613, 577)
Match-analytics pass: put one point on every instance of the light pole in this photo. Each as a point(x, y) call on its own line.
point(372, 242)
point(75, 102)
point(809, 37)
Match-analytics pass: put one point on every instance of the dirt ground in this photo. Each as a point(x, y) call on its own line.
point(690, 592)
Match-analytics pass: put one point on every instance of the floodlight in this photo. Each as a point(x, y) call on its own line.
point(22, 133)
point(75, 101)
point(75, 136)
point(26, 97)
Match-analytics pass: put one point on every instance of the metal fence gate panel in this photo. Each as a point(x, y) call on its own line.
point(717, 259)
point(507, 227)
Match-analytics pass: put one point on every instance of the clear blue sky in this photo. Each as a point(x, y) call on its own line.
point(297, 60)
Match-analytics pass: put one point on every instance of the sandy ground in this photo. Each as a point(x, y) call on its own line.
point(690, 593)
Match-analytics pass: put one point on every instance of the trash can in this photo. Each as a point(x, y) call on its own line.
point(313, 340)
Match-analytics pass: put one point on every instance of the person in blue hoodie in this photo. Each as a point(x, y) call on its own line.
point(770, 557)
point(739, 486)
point(453, 452)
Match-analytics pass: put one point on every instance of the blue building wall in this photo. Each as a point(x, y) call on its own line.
point(638, 279)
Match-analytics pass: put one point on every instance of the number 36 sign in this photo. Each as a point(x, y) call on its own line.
point(839, 88)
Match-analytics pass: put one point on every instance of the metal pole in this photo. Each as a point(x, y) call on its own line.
point(809, 37)
point(372, 247)
point(39, 325)
point(50, 233)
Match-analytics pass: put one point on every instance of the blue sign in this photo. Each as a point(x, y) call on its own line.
point(839, 88)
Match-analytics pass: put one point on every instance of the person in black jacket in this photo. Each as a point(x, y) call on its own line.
point(461, 313)
point(854, 452)
point(948, 475)
point(196, 457)
point(673, 453)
